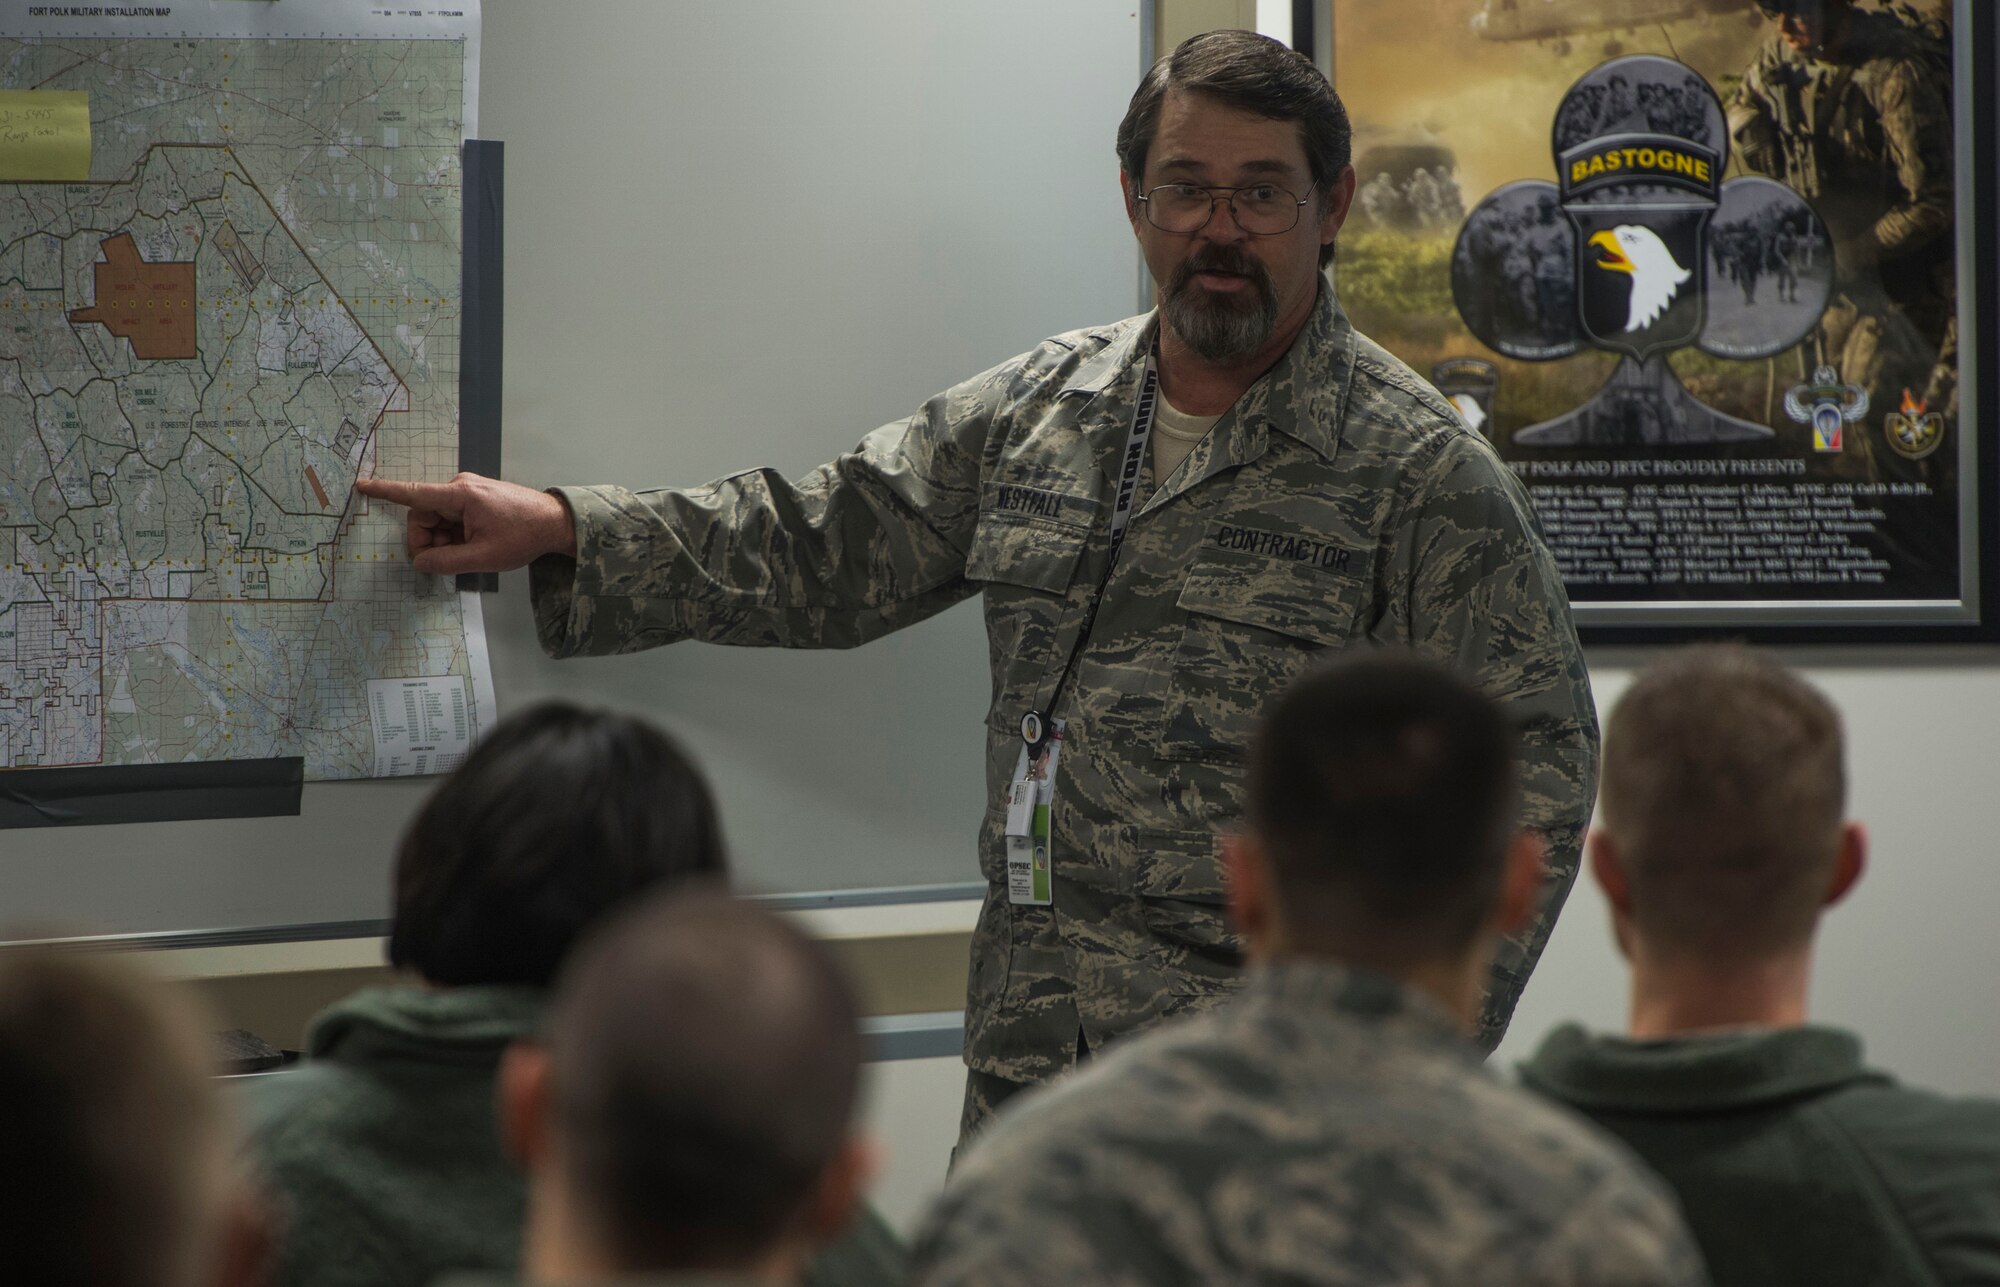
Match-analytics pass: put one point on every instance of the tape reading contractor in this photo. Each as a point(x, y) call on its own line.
point(1281, 545)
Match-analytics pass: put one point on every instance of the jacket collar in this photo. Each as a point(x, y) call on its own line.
point(1697, 1073)
point(458, 1023)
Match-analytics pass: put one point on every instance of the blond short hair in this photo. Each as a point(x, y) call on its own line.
point(1724, 788)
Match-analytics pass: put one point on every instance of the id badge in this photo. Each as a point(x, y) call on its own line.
point(1030, 800)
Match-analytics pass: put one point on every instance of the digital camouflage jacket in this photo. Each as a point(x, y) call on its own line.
point(1328, 1126)
point(1338, 503)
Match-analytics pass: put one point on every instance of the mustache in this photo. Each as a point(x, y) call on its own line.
point(1219, 259)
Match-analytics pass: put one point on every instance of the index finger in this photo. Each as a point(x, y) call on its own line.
point(436, 496)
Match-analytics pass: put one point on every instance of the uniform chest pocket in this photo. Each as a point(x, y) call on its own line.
point(1031, 553)
point(1253, 624)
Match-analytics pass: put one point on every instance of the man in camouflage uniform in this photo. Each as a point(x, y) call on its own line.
point(1852, 109)
point(1331, 1124)
point(1334, 501)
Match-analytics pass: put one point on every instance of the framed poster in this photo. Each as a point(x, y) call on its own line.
point(1715, 277)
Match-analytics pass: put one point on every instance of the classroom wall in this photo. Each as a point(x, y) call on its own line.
point(1176, 20)
point(801, 220)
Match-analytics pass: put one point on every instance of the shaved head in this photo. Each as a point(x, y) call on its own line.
point(706, 1057)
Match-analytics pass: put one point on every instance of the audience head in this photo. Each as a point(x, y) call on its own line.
point(1383, 821)
point(122, 1161)
point(692, 1107)
point(1720, 832)
point(558, 815)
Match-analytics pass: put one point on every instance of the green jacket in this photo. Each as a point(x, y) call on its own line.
point(385, 1150)
point(1339, 504)
point(1795, 1163)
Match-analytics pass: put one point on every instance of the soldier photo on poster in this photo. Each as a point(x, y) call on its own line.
point(1691, 266)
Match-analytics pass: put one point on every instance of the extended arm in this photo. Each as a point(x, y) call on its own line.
point(872, 541)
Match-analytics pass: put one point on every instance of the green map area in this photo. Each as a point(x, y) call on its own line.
point(253, 301)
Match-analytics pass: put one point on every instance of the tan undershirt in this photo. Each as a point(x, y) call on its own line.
point(1174, 436)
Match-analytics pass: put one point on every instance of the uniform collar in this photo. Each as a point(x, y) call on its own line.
point(1304, 395)
point(1698, 1073)
point(1317, 985)
point(458, 1023)
point(1131, 340)
point(1301, 396)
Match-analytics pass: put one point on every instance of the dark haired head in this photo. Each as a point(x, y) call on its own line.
point(706, 1059)
point(559, 815)
point(1254, 74)
point(120, 1142)
point(1382, 789)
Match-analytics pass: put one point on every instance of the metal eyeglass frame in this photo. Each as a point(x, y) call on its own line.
point(1146, 199)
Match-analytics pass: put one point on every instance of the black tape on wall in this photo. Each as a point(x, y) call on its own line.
point(479, 335)
point(81, 797)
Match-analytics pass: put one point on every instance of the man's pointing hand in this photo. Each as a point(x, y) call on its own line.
point(475, 524)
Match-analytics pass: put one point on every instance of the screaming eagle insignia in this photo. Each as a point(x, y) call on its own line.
point(1828, 406)
point(1640, 249)
point(1637, 250)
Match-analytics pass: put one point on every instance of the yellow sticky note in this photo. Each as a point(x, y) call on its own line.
point(44, 135)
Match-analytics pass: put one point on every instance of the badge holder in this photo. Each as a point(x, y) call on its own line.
point(1030, 796)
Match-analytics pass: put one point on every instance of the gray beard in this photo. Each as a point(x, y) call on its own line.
point(1221, 328)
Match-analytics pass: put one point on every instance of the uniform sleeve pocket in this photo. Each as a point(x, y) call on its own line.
point(1252, 625)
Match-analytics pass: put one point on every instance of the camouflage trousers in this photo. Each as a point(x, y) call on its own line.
point(985, 1092)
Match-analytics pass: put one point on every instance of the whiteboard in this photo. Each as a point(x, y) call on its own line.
point(738, 234)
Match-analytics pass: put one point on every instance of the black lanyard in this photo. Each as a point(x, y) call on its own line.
point(1038, 725)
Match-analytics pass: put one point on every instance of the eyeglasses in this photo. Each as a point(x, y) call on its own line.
point(1261, 209)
